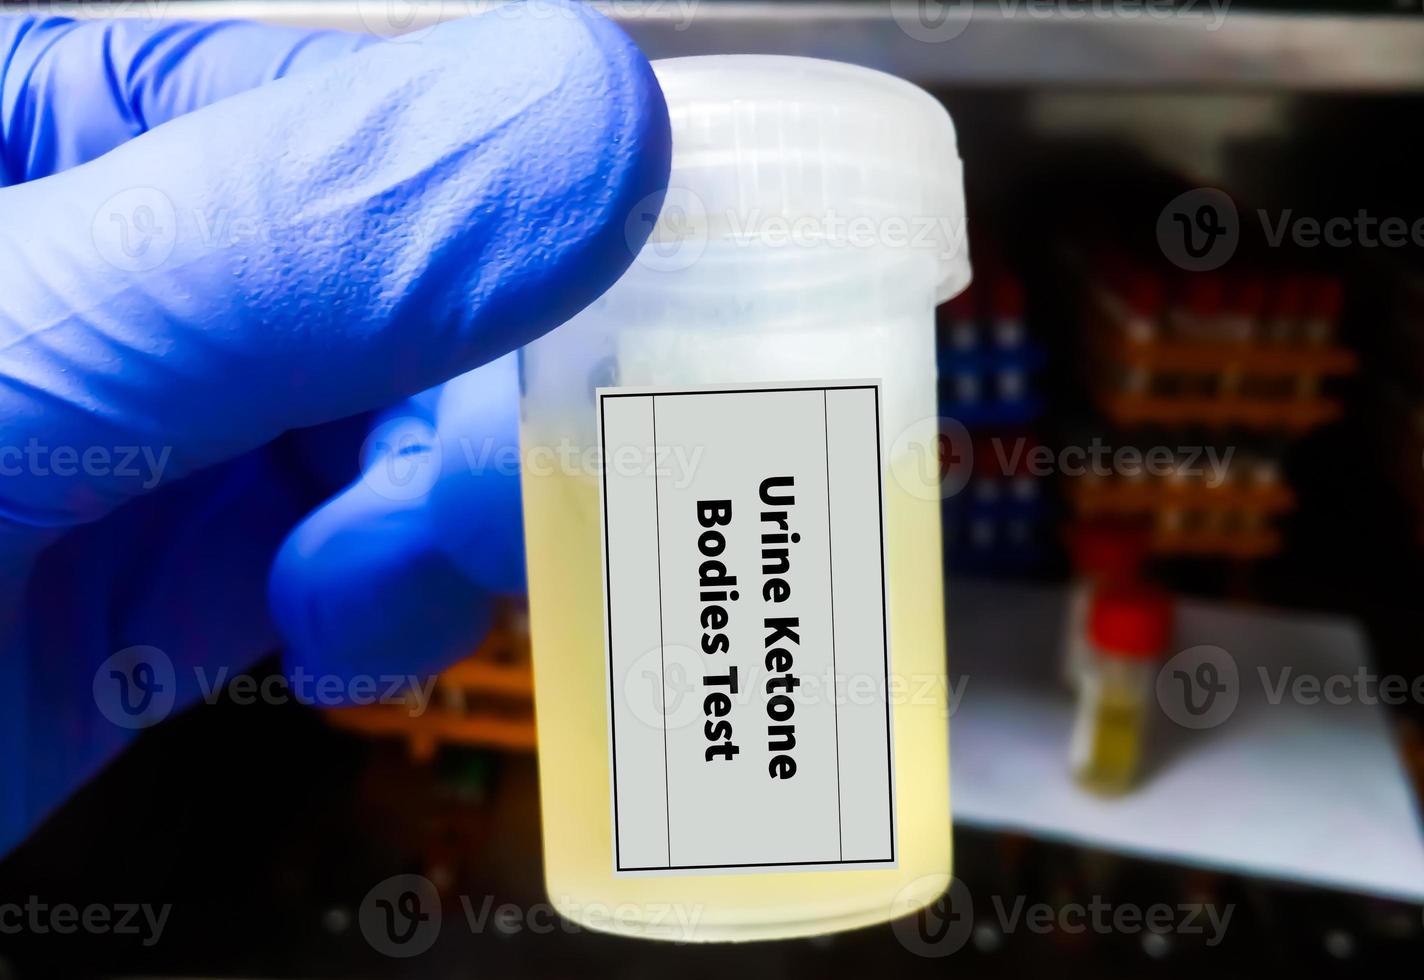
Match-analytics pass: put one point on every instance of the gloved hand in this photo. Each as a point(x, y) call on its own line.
point(195, 259)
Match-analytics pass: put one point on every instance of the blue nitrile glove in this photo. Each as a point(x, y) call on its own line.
point(196, 259)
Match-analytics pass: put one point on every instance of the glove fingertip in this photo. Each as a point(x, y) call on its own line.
point(358, 594)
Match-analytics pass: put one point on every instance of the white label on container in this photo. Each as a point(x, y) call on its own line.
point(748, 646)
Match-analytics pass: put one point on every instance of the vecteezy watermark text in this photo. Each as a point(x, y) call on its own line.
point(138, 687)
point(1201, 687)
point(1097, 458)
point(143, 464)
point(943, 926)
point(542, 918)
point(403, 458)
point(403, 915)
point(670, 232)
point(937, 21)
point(41, 918)
point(934, 457)
point(661, 689)
point(1199, 230)
point(410, 691)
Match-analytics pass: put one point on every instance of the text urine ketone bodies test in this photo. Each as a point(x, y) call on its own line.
point(748, 650)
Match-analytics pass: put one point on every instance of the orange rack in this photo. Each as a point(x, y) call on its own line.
point(485, 700)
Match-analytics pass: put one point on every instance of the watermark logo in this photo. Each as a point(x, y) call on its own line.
point(405, 20)
point(668, 232)
point(136, 229)
point(932, 458)
point(400, 917)
point(659, 688)
point(932, 21)
point(1200, 687)
point(401, 458)
point(939, 928)
point(136, 687)
point(1199, 230)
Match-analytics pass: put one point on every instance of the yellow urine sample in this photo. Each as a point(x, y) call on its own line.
point(562, 535)
point(1112, 744)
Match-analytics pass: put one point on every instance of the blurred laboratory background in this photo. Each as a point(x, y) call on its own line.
point(1181, 456)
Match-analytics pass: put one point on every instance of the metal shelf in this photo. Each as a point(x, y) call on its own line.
point(991, 44)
